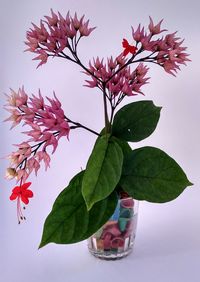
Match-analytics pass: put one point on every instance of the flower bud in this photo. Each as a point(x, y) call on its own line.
point(10, 173)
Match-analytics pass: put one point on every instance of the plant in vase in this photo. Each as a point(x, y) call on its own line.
point(101, 199)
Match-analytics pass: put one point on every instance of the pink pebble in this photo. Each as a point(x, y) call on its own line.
point(112, 229)
point(107, 241)
point(127, 203)
point(117, 243)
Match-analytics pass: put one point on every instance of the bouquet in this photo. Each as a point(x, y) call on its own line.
point(113, 168)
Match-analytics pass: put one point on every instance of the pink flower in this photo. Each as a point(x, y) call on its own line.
point(148, 44)
point(70, 31)
point(53, 20)
point(24, 149)
point(17, 99)
point(37, 103)
point(84, 30)
point(170, 67)
point(126, 89)
point(120, 60)
point(15, 117)
point(22, 175)
point(76, 22)
point(43, 56)
point(35, 133)
point(43, 156)
point(138, 35)
point(171, 54)
point(55, 105)
point(47, 123)
point(125, 82)
point(91, 83)
point(55, 34)
point(32, 164)
point(33, 44)
point(49, 140)
point(155, 29)
point(168, 50)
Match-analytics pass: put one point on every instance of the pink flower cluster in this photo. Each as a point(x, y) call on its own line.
point(55, 34)
point(116, 77)
point(47, 123)
point(166, 51)
point(118, 82)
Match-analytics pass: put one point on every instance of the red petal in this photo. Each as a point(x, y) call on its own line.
point(24, 199)
point(16, 190)
point(13, 196)
point(126, 51)
point(125, 43)
point(28, 194)
point(132, 49)
point(25, 185)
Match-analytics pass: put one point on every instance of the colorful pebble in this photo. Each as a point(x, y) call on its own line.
point(112, 236)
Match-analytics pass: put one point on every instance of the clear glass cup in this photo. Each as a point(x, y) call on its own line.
point(115, 239)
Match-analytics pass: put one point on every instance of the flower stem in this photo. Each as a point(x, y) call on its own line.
point(107, 123)
point(79, 125)
point(112, 114)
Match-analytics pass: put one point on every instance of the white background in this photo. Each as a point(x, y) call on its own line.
point(168, 242)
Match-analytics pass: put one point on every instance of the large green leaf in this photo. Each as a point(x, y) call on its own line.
point(126, 149)
point(103, 170)
point(150, 174)
point(69, 221)
point(136, 121)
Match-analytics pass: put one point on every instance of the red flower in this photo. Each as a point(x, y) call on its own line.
point(128, 48)
point(21, 193)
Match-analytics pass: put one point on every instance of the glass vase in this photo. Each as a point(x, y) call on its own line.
point(115, 239)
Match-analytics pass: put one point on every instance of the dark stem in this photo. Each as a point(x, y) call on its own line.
point(79, 125)
point(107, 123)
point(78, 62)
point(112, 113)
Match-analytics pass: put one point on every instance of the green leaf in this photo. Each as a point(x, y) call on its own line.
point(136, 121)
point(69, 221)
point(103, 170)
point(150, 174)
point(126, 149)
